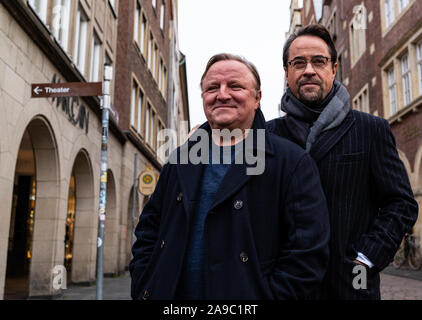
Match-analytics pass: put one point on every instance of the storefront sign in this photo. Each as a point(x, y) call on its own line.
point(70, 89)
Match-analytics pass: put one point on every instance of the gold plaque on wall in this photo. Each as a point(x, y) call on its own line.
point(147, 182)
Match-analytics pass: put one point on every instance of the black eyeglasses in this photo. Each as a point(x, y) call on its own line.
point(317, 62)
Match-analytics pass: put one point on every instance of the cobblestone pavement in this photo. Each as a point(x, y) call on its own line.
point(402, 284)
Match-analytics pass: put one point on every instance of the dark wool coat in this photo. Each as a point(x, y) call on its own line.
point(369, 199)
point(266, 236)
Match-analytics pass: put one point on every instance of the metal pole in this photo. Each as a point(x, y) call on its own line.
point(106, 103)
point(135, 187)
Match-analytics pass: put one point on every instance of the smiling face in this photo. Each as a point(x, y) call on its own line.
point(229, 95)
point(310, 85)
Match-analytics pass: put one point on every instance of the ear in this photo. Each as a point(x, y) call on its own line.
point(258, 98)
point(335, 69)
point(286, 71)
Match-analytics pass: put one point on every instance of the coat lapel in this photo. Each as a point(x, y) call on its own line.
point(330, 138)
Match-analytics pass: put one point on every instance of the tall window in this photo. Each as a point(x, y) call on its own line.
point(406, 80)
point(40, 7)
point(136, 23)
point(61, 20)
point(358, 33)
point(137, 101)
point(94, 74)
point(140, 26)
point(150, 50)
point(419, 62)
point(154, 61)
point(162, 16)
point(81, 32)
point(389, 12)
point(133, 105)
point(392, 90)
point(154, 4)
point(160, 141)
point(147, 123)
point(142, 35)
point(403, 4)
point(361, 103)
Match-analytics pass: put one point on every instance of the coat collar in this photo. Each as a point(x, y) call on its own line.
point(328, 139)
point(190, 174)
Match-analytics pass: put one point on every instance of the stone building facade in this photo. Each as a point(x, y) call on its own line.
point(50, 147)
point(379, 45)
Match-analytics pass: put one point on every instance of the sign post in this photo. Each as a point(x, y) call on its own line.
point(134, 203)
point(106, 104)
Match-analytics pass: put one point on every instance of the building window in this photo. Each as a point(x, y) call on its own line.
point(361, 102)
point(403, 4)
point(332, 26)
point(154, 4)
point(149, 125)
point(154, 61)
point(94, 74)
point(81, 33)
point(61, 20)
point(162, 16)
point(358, 33)
point(150, 50)
point(40, 7)
point(136, 23)
point(406, 79)
point(389, 12)
point(392, 90)
point(137, 102)
point(140, 28)
point(419, 62)
point(160, 142)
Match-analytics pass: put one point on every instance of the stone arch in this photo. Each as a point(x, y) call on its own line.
point(41, 230)
point(406, 163)
point(111, 232)
point(129, 225)
point(83, 252)
point(417, 229)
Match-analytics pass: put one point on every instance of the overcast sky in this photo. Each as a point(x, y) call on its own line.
point(254, 29)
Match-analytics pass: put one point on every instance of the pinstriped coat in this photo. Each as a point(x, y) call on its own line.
point(369, 199)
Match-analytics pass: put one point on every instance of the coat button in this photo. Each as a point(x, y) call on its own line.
point(145, 296)
point(243, 257)
point(179, 197)
point(238, 204)
point(163, 243)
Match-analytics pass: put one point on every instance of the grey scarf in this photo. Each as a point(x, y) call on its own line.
point(307, 123)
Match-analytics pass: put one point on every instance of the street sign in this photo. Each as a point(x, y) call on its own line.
point(70, 89)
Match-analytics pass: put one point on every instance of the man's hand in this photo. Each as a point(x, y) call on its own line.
point(361, 263)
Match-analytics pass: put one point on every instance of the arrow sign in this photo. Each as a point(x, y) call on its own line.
point(37, 90)
point(70, 89)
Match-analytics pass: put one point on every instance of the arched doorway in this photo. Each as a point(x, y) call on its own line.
point(80, 236)
point(130, 224)
point(34, 214)
point(111, 231)
point(21, 222)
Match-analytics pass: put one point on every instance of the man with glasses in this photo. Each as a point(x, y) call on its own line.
point(368, 193)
